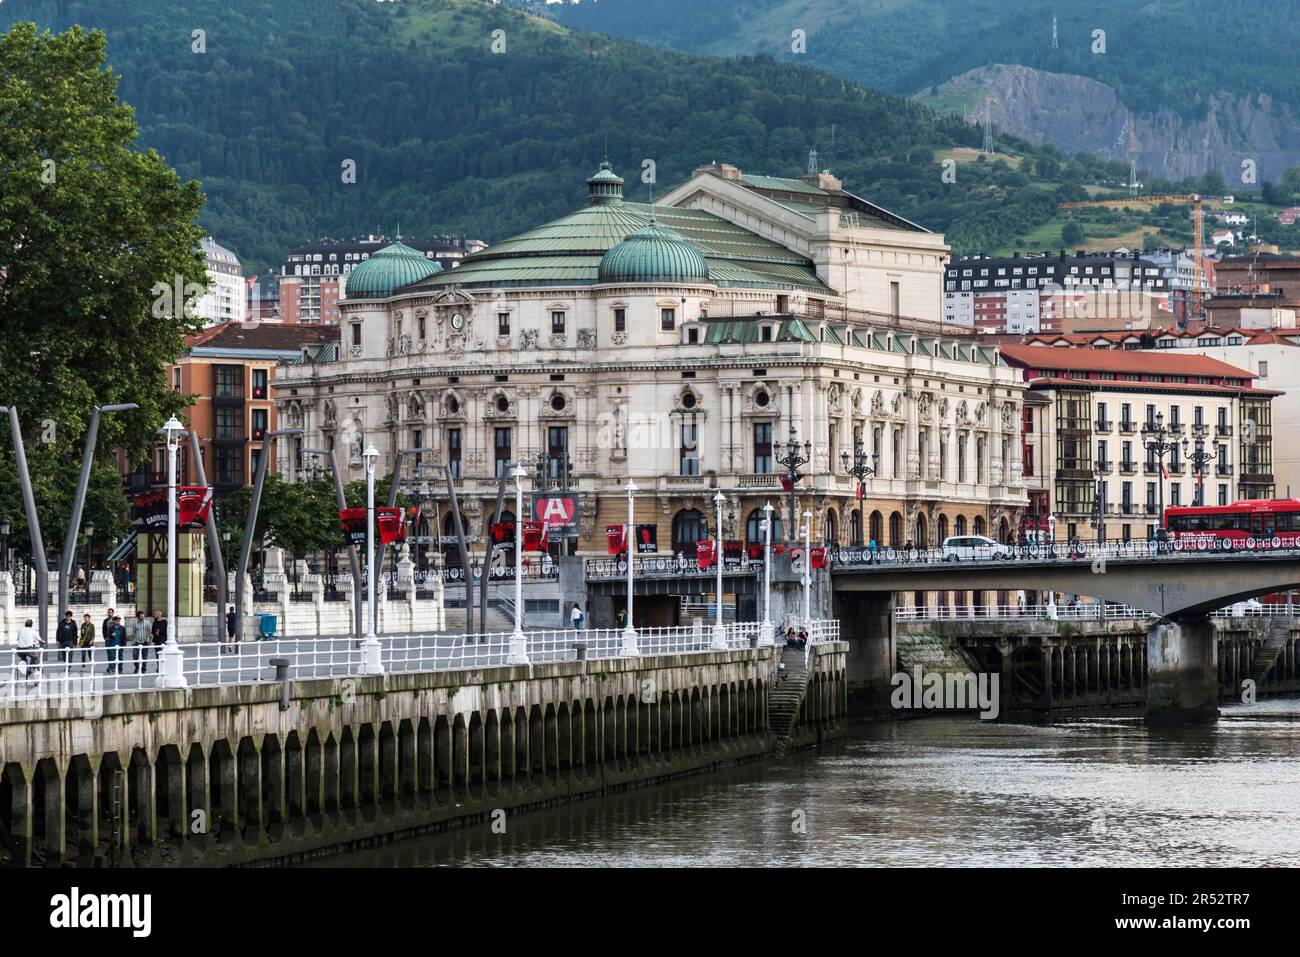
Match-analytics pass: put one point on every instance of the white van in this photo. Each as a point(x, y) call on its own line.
point(967, 548)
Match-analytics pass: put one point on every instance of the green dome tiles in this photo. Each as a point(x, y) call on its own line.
point(388, 270)
point(653, 254)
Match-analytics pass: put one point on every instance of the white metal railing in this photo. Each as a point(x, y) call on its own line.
point(54, 675)
point(1083, 611)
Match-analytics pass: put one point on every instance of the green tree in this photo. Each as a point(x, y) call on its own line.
point(1073, 234)
point(89, 226)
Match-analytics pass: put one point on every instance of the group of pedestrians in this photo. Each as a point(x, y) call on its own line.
point(119, 640)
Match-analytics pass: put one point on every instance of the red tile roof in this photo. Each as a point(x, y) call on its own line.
point(1119, 360)
point(1124, 385)
point(263, 335)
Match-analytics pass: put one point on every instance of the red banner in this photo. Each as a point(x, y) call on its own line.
point(536, 535)
point(817, 555)
point(391, 521)
point(192, 505)
point(614, 539)
point(705, 554)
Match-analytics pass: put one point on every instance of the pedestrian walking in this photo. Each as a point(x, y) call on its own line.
point(66, 637)
point(577, 617)
point(107, 624)
point(159, 636)
point(86, 642)
point(115, 640)
point(141, 635)
point(232, 624)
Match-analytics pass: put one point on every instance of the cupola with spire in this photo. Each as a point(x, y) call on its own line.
point(605, 187)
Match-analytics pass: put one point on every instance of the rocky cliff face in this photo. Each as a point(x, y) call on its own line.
point(1077, 114)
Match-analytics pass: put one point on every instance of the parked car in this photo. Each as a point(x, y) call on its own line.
point(966, 548)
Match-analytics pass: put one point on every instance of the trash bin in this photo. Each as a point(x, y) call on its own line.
point(267, 627)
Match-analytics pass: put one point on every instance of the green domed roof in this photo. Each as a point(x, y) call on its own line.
point(654, 254)
point(388, 270)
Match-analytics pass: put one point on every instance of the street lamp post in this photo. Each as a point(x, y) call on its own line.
point(1099, 505)
point(1051, 549)
point(4, 541)
point(857, 465)
point(719, 633)
point(171, 673)
point(807, 567)
point(1200, 460)
point(371, 665)
point(90, 545)
point(766, 635)
point(790, 461)
point(629, 648)
point(518, 642)
point(1156, 440)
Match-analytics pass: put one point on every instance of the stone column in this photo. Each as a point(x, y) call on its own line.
point(1183, 671)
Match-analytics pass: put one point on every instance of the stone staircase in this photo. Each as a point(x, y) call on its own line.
point(1266, 655)
point(786, 697)
point(497, 621)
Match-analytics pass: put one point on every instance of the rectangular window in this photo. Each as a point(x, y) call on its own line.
point(420, 323)
point(1176, 493)
point(259, 383)
point(503, 323)
point(228, 382)
point(620, 320)
point(692, 335)
point(1175, 416)
point(228, 424)
point(1126, 496)
point(255, 459)
point(417, 440)
point(557, 321)
point(501, 446)
point(557, 450)
point(1151, 416)
point(259, 423)
point(1029, 463)
point(1263, 370)
point(453, 452)
point(176, 378)
point(667, 319)
point(689, 459)
point(1198, 416)
point(894, 299)
point(356, 334)
point(229, 465)
point(1223, 495)
point(763, 448)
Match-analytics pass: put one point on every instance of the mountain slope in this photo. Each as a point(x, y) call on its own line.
point(449, 136)
point(1182, 68)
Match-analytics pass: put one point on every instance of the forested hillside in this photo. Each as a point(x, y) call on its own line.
point(272, 104)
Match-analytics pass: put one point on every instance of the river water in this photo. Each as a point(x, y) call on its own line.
point(1103, 791)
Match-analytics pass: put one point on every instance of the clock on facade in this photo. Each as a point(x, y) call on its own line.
point(457, 320)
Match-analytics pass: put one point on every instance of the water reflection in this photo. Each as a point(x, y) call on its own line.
point(1105, 791)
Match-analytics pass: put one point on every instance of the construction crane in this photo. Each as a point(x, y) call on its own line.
point(1196, 301)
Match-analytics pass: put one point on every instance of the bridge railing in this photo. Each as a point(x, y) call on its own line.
point(854, 557)
point(1084, 611)
point(78, 678)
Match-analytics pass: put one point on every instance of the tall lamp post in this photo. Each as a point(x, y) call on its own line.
point(90, 544)
point(5, 529)
point(171, 673)
point(1099, 504)
point(370, 664)
point(1158, 443)
point(518, 642)
point(807, 567)
point(766, 633)
point(1200, 460)
point(629, 648)
point(792, 458)
point(719, 633)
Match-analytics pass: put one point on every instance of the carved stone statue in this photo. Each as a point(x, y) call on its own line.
point(586, 338)
point(529, 340)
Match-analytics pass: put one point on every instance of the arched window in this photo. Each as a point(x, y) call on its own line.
point(855, 526)
point(831, 530)
point(1004, 531)
point(961, 525)
point(943, 530)
point(895, 529)
point(754, 528)
point(689, 527)
point(979, 525)
point(876, 531)
point(922, 532)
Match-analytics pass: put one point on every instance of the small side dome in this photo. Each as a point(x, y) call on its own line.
point(654, 254)
point(604, 187)
point(388, 270)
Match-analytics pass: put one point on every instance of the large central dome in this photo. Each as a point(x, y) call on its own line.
point(389, 269)
point(654, 254)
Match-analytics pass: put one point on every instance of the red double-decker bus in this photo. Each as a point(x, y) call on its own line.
point(1258, 523)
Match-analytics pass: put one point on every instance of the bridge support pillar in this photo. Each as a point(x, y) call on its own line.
point(1182, 661)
